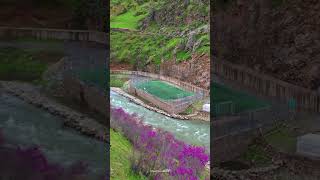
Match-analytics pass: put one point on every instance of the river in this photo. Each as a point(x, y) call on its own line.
point(25, 125)
point(192, 132)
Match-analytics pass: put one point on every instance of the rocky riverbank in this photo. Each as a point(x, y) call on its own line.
point(71, 118)
point(141, 103)
point(284, 166)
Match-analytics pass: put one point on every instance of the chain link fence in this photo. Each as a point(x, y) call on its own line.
point(176, 105)
point(250, 120)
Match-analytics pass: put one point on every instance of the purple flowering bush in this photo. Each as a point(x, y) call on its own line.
point(31, 164)
point(157, 150)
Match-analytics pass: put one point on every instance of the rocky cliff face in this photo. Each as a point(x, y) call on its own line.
point(277, 37)
point(179, 12)
point(195, 71)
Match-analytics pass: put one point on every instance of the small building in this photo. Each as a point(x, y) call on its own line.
point(206, 108)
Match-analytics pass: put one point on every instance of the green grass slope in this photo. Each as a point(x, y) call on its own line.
point(127, 20)
point(160, 39)
point(18, 64)
point(139, 49)
point(119, 158)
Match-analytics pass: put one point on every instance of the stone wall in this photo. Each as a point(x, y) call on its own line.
point(58, 34)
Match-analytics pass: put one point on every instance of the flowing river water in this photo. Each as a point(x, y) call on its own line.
point(24, 125)
point(192, 132)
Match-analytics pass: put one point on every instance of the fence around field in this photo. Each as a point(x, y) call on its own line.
point(249, 120)
point(57, 34)
point(183, 85)
point(223, 109)
point(173, 106)
point(267, 86)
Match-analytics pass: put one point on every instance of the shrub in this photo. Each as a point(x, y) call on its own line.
point(116, 82)
point(156, 149)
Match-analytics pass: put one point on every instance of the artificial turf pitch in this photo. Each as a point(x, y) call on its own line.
point(163, 90)
point(243, 102)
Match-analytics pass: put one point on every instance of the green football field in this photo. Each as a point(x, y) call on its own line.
point(164, 90)
point(242, 101)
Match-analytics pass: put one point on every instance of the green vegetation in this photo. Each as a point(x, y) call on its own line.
point(241, 100)
point(163, 90)
point(127, 20)
point(256, 155)
point(120, 153)
point(17, 64)
point(182, 55)
point(196, 106)
point(118, 81)
point(283, 139)
point(128, 13)
point(140, 50)
point(137, 49)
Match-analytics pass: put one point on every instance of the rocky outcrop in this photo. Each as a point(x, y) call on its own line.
point(195, 70)
point(178, 12)
point(280, 38)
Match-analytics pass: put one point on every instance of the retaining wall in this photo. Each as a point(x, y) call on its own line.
point(267, 86)
point(59, 34)
point(184, 85)
point(170, 107)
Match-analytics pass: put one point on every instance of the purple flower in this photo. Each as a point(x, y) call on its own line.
point(159, 149)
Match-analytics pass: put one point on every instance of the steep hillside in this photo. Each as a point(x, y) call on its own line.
point(144, 14)
point(277, 37)
point(147, 34)
point(64, 14)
